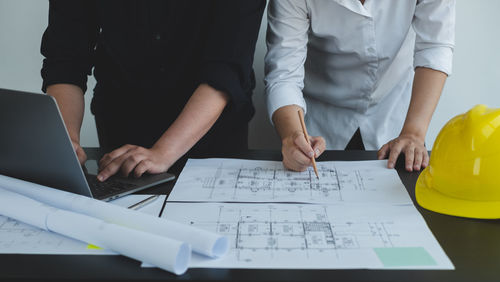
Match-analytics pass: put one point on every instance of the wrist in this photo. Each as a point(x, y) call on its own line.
point(75, 138)
point(291, 136)
point(167, 155)
point(417, 133)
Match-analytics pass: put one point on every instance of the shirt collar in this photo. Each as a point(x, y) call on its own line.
point(355, 6)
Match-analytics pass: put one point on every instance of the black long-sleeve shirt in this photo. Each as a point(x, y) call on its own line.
point(148, 57)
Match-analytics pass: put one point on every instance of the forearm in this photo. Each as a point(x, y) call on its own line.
point(427, 87)
point(71, 104)
point(286, 121)
point(198, 116)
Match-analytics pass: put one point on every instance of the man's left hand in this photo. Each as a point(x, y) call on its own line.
point(132, 159)
point(416, 156)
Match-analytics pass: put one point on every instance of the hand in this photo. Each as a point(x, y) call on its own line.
point(416, 155)
point(297, 153)
point(82, 157)
point(130, 158)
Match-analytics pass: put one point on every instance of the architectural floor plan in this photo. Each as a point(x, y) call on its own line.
point(215, 180)
point(315, 236)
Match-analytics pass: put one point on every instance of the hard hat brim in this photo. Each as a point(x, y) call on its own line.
point(430, 198)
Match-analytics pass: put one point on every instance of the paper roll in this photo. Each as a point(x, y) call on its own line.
point(163, 252)
point(202, 241)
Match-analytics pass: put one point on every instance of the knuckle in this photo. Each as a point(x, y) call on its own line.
point(299, 139)
point(135, 158)
point(393, 156)
point(107, 170)
point(298, 157)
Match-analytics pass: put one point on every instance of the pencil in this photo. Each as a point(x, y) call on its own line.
point(301, 118)
point(144, 202)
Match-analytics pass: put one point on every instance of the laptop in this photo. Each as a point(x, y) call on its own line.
point(35, 146)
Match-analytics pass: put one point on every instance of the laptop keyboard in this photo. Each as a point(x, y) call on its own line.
point(108, 187)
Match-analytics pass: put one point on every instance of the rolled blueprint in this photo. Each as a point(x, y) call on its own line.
point(202, 241)
point(165, 253)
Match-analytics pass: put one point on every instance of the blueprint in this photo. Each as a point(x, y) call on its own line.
point(315, 236)
point(236, 180)
point(19, 238)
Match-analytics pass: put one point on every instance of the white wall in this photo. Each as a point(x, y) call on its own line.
point(21, 27)
point(475, 79)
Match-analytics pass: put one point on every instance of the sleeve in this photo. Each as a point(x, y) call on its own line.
point(68, 43)
point(434, 25)
point(287, 36)
point(228, 55)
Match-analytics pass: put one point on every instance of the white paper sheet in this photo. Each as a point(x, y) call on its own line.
point(236, 180)
point(19, 238)
point(163, 252)
point(204, 242)
point(304, 236)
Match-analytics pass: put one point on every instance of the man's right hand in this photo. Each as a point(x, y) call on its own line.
point(297, 153)
point(80, 153)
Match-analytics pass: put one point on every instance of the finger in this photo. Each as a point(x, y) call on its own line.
point(294, 166)
point(300, 159)
point(142, 167)
point(295, 160)
point(409, 157)
point(112, 168)
point(301, 142)
point(80, 153)
point(425, 161)
point(290, 165)
point(75, 145)
point(82, 157)
point(417, 163)
point(395, 150)
point(109, 157)
point(319, 145)
point(130, 163)
point(382, 153)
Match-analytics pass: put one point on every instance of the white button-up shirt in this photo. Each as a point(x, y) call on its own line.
point(353, 64)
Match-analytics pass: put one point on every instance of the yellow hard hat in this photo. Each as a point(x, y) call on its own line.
point(463, 176)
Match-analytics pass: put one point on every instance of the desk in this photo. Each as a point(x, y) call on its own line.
point(472, 245)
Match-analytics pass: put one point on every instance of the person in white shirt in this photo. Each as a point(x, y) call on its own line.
point(371, 67)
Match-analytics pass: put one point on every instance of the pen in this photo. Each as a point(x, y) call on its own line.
point(144, 202)
point(301, 117)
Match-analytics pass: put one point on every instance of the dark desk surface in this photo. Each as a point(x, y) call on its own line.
point(472, 245)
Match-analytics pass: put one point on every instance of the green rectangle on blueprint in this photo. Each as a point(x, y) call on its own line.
point(404, 256)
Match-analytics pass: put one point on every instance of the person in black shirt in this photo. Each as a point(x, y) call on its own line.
point(173, 77)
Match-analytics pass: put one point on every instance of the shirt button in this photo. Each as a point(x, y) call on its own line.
point(371, 50)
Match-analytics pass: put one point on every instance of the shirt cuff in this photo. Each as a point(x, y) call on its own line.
point(436, 58)
point(223, 78)
point(280, 95)
point(63, 72)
